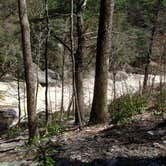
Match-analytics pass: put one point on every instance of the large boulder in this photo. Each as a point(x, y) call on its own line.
point(7, 117)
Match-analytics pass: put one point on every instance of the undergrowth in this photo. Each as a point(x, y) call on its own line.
point(159, 108)
point(124, 108)
point(13, 132)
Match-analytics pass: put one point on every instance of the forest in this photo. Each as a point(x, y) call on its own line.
point(83, 83)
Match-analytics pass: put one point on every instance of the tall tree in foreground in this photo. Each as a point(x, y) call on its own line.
point(29, 73)
point(81, 4)
point(73, 60)
point(99, 105)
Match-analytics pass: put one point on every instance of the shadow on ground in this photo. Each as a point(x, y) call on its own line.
point(114, 162)
point(140, 133)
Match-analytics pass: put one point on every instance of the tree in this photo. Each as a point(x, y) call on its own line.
point(46, 60)
point(73, 61)
point(29, 73)
point(79, 58)
point(99, 105)
point(156, 9)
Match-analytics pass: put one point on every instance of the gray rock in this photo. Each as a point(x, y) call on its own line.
point(18, 163)
point(7, 117)
point(53, 74)
point(41, 76)
point(8, 77)
point(120, 76)
point(41, 116)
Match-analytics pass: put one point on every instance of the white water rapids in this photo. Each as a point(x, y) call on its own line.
point(9, 99)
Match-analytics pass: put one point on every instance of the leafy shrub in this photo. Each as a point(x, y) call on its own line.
point(123, 108)
point(13, 132)
point(161, 101)
point(43, 149)
point(55, 128)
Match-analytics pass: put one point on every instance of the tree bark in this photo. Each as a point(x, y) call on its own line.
point(79, 59)
point(18, 95)
point(148, 60)
point(62, 83)
point(73, 62)
point(46, 61)
point(29, 73)
point(99, 105)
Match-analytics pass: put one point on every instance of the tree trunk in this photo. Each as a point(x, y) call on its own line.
point(46, 61)
point(148, 60)
point(18, 95)
point(73, 62)
point(79, 59)
point(99, 105)
point(62, 72)
point(29, 73)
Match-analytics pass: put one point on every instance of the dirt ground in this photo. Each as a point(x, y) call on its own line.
point(144, 139)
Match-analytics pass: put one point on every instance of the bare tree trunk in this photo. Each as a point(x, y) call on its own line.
point(79, 59)
point(38, 59)
point(69, 106)
point(46, 61)
point(73, 62)
point(62, 72)
point(148, 60)
point(18, 96)
point(63, 53)
point(114, 84)
point(28, 64)
point(25, 110)
point(164, 60)
point(99, 105)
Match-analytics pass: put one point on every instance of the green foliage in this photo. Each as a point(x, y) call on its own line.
point(91, 15)
point(44, 150)
point(47, 161)
point(160, 105)
point(121, 4)
point(52, 129)
point(68, 117)
point(13, 132)
point(92, 9)
point(55, 129)
point(123, 108)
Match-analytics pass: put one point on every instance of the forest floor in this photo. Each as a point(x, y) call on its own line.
point(144, 139)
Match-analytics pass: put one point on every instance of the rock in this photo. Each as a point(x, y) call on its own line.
point(8, 77)
point(150, 132)
point(19, 163)
point(41, 117)
point(7, 117)
point(120, 76)
point(54, 139)
point(53, 74)
point(41, 76)
point(128, 68)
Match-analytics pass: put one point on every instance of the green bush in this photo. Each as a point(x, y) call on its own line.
point(44, 149)
point(161, 101)
point(123, 108)
point(13, 132)
point(55, 128)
